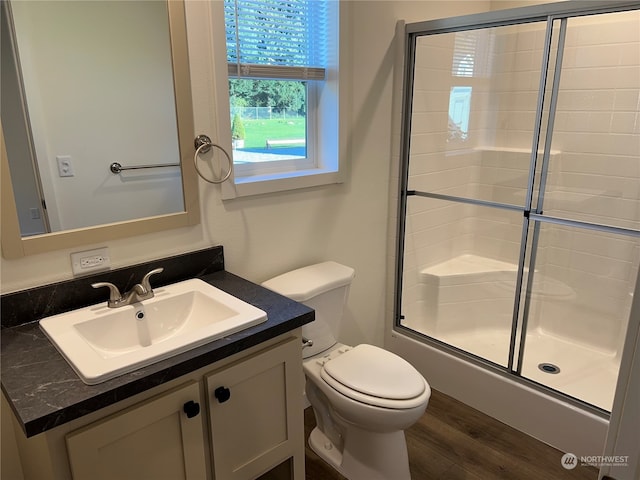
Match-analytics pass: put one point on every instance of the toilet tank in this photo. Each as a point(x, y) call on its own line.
point(323, 287)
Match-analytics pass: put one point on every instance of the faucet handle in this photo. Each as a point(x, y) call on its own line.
point(145, 280)
point(114, 293)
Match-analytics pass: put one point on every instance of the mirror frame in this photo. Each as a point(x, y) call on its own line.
point(16, 246)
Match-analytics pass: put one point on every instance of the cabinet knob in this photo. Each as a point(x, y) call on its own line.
point(222, 394)
point(191, 408)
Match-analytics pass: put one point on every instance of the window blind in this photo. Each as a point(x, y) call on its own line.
point(276, 38)
point(471, 54)
point(464, 53)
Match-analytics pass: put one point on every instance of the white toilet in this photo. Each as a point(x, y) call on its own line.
point(363, 397)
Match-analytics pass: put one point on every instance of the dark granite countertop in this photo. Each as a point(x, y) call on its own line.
point(44, 391)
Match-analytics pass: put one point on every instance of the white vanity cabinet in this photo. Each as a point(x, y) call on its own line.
point(185, 430)
point(250, 414)
point(156, 439)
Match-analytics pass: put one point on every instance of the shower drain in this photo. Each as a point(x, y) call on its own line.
point(549, 368)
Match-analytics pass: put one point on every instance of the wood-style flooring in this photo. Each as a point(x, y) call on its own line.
point(455, 442)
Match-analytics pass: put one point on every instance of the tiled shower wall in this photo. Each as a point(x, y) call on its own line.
point(595, 167)
point(597, 179)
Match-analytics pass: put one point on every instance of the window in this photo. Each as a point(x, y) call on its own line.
point(471, 61)
point(459, 113)
point(269, 124)
point(280, 92)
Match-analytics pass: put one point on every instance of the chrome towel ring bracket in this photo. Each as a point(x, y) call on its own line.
point(203, 144)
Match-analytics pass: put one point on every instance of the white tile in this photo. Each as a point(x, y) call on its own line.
point(626, 122)
point(627, 100)
point(629, 53)
point(597, 56)
point(627, 77)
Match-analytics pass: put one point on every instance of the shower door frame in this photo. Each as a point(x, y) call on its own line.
point(548, 13)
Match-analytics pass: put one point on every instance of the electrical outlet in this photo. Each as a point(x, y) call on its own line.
point(90, 261)
point(93, 261)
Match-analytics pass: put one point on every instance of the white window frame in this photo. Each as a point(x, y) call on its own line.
point(326, 117)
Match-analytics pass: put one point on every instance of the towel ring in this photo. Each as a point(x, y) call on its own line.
point(203, 144)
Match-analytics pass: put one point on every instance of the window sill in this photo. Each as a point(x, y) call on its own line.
point(278, 182)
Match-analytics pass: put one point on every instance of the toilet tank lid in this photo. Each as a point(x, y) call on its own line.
point(307, 282)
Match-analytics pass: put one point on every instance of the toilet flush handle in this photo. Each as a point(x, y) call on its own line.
point(306, 342)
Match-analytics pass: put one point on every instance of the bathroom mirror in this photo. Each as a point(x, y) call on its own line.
point(94, 83)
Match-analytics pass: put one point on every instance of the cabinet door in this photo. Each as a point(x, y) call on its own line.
point(158, 439)
point(256, 414)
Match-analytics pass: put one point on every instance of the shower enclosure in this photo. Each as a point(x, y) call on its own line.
point(519, 217)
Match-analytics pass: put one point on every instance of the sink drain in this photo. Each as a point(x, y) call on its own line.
point(549, 368)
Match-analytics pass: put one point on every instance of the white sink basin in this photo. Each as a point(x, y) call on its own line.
point(101, 343)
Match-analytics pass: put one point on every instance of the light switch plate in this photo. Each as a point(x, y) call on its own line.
point(65, 166)
point(90, 261)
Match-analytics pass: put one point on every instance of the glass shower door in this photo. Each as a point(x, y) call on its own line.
point(475, 113)
point(583, 271)
point(519, 237)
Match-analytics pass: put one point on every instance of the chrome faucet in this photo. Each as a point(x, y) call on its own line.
point(140, 291)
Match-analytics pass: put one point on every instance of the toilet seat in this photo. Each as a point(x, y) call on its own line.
point(374, 376)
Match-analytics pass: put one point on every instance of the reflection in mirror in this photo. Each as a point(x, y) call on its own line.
point(86, 84)
point(103, 130)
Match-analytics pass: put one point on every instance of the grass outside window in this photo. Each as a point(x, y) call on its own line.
point(257, 132)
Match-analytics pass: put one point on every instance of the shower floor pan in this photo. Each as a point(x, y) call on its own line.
point(585, 373)
point(467, 302)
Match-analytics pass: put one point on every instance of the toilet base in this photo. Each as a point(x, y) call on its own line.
point(323, 447)
point(366, 455)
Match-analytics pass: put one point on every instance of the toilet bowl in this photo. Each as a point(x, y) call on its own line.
point(363, 397)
